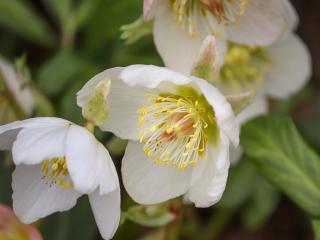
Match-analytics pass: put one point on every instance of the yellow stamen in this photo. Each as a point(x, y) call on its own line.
point(55, 171)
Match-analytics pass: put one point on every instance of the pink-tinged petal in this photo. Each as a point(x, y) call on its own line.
point(34, 234)
point(11, 226)
point(206, 65)
point(148, 9)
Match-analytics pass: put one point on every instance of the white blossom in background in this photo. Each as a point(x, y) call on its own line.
point(17, 86)
point(180, 26)
point(179, 129)
point(276, 71)
point(56, 163)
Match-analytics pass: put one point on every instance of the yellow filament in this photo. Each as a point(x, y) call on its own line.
point(174, 129)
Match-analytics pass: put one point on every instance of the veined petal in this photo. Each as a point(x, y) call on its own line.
point(209, 180)
point(222, 109)
point(82, 159)
point(9, 132)
point(106, 211)
point(148, 182)
point(122, 100)
point(34, 199)
point(108, 177)
point(262, 23)
point(177, 49)
point(290, 68)
point(258, 106)
point(34, 145)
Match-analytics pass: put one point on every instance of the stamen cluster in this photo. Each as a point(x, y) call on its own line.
point(174, 129)
point(55, 171)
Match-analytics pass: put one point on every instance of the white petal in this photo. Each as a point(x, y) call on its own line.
point(177, 49)
point(108, 177)
point(223, 111)
point(9, 131)
point(150, 183)
point(211, 176)
point(150, 76)
point(34, 145)
point(82, 159)
point(290, 67)
point(235, 154)
point(123, 102)
point(34, 199)
point(106, 211)
point(16, 84)
point(258, 107)
point(262, 23)
point(291, 15)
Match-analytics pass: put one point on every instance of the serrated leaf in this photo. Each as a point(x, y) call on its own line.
point(285, 160)
point(150, 216)
point(19, 17)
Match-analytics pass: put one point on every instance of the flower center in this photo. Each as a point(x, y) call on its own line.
point(244, 68)
point(55, 171)
point(176, 130)
point(185, 12)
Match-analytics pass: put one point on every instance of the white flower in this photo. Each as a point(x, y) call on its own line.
point(179, 126)
point(180, 26)
point(17, 86)
point(57, 162)
point(287, 70)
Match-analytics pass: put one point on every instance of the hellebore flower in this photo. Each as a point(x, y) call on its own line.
point(57, 162)
point(180, 26)
point(276, 71)
point(180, 128)
point(12, 229)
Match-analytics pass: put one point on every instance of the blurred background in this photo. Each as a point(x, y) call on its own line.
point(57, 45)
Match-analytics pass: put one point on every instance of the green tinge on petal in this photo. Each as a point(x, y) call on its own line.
point(240, 101)
point(96, 110)
point(205, 66)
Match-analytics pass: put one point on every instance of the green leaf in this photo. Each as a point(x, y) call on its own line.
point(58, 72)
point(285, 160)
point(262, 203)
point(19, 17)
point(150, 216)
point(316, 228)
